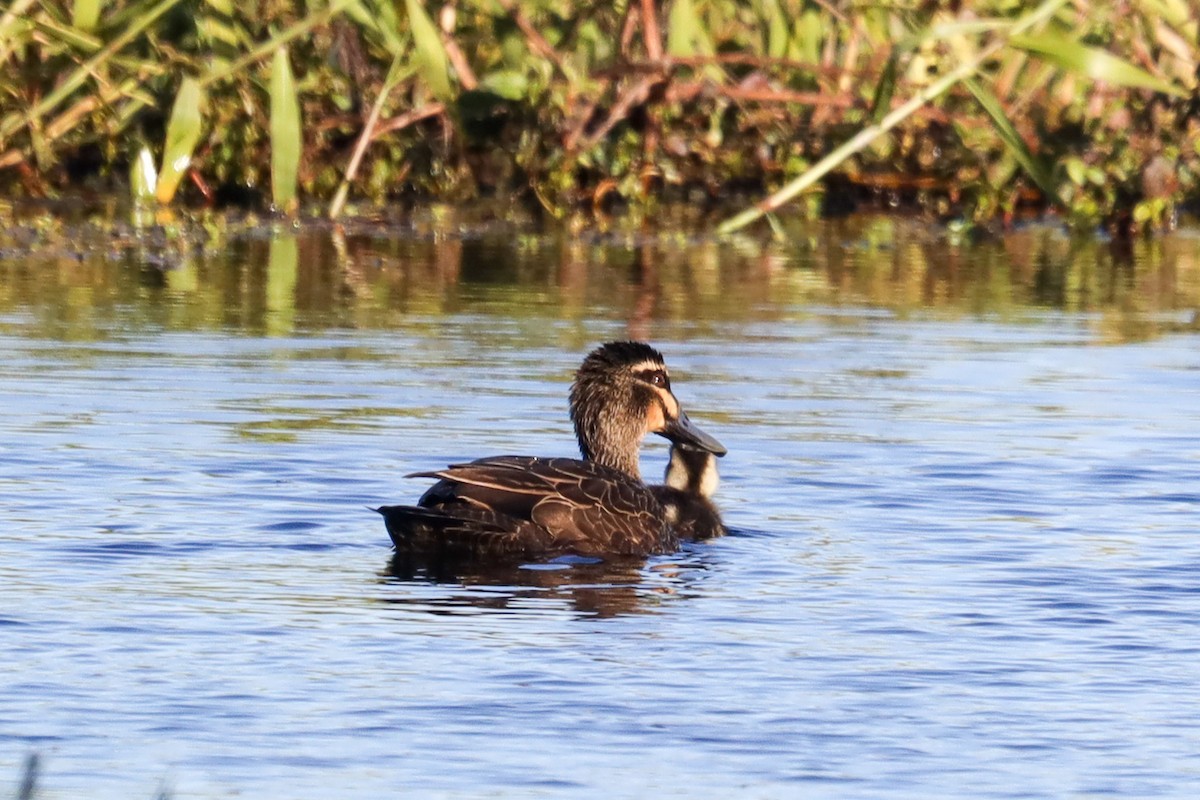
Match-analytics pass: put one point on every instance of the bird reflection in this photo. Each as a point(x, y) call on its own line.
point(648, 290)
point(608, 588)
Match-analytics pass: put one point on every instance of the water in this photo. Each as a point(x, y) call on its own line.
point(962, 480)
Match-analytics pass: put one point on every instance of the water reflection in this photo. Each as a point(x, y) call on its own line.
point(602, 588)
point(966, 547)
point(84, 279)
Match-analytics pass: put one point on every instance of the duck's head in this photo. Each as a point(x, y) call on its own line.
point(621, 393)
point(693, 471)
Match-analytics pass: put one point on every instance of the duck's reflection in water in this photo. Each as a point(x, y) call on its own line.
point(587, 587)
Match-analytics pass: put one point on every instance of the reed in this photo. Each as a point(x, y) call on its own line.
point(568, 105)
point(285, 133)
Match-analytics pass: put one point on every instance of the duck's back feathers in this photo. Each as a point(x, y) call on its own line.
point(524, 505)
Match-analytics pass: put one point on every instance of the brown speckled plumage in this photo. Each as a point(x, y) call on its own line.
point(524, 506)
point(527, 506)
point(608, 404)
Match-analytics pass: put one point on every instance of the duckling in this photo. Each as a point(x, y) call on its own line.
point(527, 506)
point(690, 481)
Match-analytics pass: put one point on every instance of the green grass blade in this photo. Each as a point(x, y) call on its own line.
point(380, 19)
point(431, 59)
point(1012, 140)
point(1093, 62)
point(872, 132)
point(183, 131)
point(885, 89)
point(11, 24)
point(777, 29)
point(685, 32)
point(280, 39)
point(85, 71)
point(86, 14)
point(143, 177)
point(808, 34)
point(285, 133)
point(73, 38)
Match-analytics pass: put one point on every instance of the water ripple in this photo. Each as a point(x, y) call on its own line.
point(962, 562)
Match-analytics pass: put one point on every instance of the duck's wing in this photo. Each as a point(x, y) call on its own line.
point(584, 507)
point(494, 482)
point(609, 511)
point(627, 526)
point(509, 485)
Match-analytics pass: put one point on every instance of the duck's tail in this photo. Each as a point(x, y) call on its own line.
point(461, 531)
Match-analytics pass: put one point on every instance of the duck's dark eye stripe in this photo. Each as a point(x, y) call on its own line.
point(655, 377)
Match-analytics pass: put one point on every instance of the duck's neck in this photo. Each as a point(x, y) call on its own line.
point(609, 429)
point(614, 456)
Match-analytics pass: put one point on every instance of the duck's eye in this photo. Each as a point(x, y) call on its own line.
point(655, 377)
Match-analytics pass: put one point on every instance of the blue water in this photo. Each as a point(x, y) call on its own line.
point(964, 559)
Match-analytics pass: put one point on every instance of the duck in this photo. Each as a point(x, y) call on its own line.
point(594, 506)
point(689, 483)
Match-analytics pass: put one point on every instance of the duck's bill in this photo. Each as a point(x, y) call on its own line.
point(682, 431)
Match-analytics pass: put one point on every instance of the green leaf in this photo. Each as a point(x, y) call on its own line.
point(285, 133)
point(143, 177)
point(183, 131)
point(508, 83)
point(777, 29)
point(807, 38)
point(1012, 140)
point(687, 36)
point(685, 33)
point(1174, 12)
point(86, 13)
point(71, 36)
point(379, 20)
point(1093, 62)
point(221, 31)
point(881, 103)
point(430, 58)
point(1076, 171)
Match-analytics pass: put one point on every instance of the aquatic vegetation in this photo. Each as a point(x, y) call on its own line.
point(973, 110)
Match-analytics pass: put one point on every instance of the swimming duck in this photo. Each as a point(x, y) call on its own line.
point(523, 506)
point(690, 481)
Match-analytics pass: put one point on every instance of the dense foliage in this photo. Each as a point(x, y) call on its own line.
point(1089, 107)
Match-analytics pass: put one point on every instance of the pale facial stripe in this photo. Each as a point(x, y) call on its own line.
point(670, 404)
point(649, 365)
